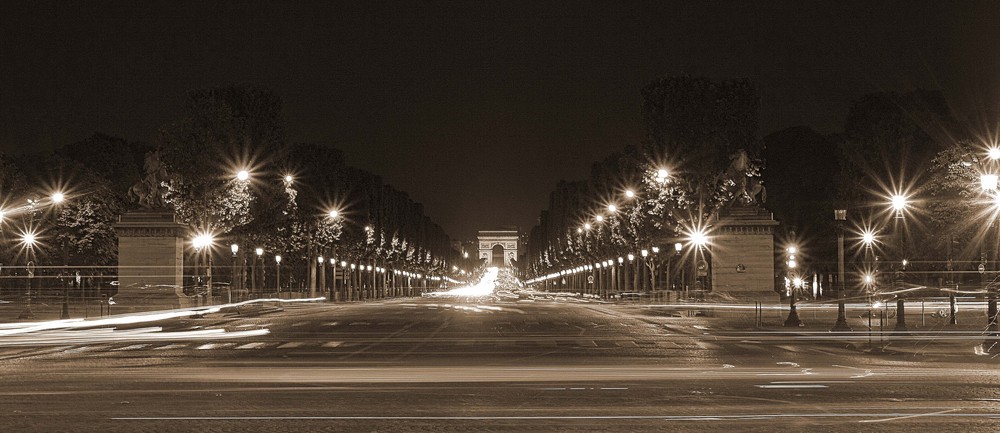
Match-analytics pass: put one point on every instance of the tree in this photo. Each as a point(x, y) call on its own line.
point(701, 127)
point(235, 124)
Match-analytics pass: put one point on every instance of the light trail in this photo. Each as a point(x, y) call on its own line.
point(485, 287)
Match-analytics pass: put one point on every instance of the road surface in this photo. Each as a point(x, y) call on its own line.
point(446, 364)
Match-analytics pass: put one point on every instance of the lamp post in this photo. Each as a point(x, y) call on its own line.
point(232, 278)
point(678, 248)
point(840, 216)
point(203, 243)
point(253, 272)
point(988, 182)
point(57, 199)
point(795, 283)
point(28, 242)
point(698, 239)
point(899, 204)
point(277, 274)
point(321, 263)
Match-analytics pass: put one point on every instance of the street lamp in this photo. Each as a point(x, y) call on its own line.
point(321, 263)
point(796, 283)
point(840, 217)
point(612, 208)
point(599, 218)
point(277, 274)
point(661, 175)
point(988, 181)
point(203, 242)
point(57, 199)
point(232, 278)
point(28, 240)
point(629, 193)
point(243, 175)
point(899, 204)
point(259, 256)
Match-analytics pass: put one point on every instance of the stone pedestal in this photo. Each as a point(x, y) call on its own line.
point(743, 253)
point(150, 261)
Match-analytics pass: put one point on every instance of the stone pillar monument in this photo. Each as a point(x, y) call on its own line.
point(743, 253)
point(150, 260)
point(150, 246)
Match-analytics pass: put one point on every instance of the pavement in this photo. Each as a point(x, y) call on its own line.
point(546, 363)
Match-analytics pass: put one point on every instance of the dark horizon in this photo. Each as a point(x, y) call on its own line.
point(475, 110)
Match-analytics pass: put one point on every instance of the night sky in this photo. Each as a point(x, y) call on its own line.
point(476, 109)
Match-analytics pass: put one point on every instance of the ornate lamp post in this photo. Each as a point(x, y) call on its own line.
point(28, 242)
point(277, 274)
point(988, 182)
point(203, 244)
point(795, 283)
point(253, 275)
point(899, 204)
point(840, 216)
point(57, 199)
point(232, 279)
point(321, 263)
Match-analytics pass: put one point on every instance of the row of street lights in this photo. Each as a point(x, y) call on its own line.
point(697, 240)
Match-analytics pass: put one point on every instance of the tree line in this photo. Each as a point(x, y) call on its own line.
point(284, 205)
point(705, 134)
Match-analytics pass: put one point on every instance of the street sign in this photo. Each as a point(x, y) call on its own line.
point(982, 268)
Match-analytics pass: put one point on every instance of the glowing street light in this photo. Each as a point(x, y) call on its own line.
point(28, 239)
point(612, 208)
point(333, 214)
point(868, 238)
point(58, 197)
point(661, 175)
point(586, 226)
point(698, 238)
point(289, 178)
point(629, 193)
point(899, 202)
point(243, 175)
point(988, 182)
point(993, 153)
point(599, 218)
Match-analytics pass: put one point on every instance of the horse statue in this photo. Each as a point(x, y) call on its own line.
point(148, 191)
point(748, 185)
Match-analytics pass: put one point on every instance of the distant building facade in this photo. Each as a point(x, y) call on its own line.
point(500, 247)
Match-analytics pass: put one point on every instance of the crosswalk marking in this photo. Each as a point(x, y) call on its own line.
point(131, 347)
point(171, 346)
point(332, 344)
point(291, 345)
point(256, 345)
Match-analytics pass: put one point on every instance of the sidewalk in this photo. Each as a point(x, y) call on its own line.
point(927, 333)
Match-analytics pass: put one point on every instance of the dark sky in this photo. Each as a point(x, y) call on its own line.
point(476, 109)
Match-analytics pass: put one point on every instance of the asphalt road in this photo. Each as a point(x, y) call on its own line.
point(452, 365)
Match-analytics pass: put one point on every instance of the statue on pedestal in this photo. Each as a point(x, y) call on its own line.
point(746, 177)
point(148, 193)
